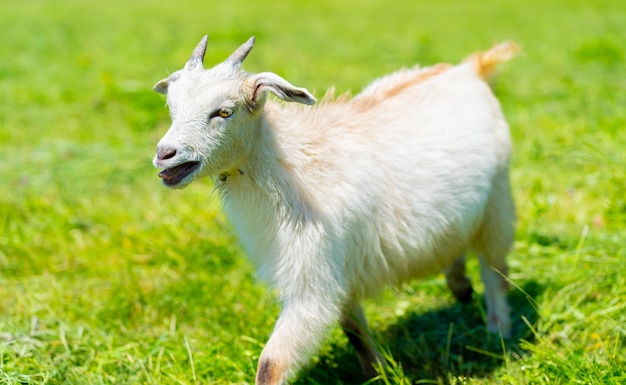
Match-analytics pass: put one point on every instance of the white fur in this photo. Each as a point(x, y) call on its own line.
point(335, 202)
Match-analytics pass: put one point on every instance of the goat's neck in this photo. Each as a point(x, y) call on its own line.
point(267, 171)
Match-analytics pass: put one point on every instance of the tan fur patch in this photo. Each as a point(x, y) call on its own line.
point(268, 373)
point(390, 92)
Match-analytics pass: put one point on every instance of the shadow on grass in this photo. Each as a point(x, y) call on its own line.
point(438, 344)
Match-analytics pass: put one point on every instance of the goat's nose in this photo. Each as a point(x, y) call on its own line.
point(165, 153)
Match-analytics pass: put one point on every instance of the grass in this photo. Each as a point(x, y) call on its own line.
point(106, 278)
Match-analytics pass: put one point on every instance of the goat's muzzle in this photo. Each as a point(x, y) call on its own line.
point(174, 175)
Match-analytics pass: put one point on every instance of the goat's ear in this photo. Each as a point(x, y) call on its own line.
point(267, 81)
point(162, 86)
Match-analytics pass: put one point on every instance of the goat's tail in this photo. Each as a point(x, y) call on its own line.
point(486, 62)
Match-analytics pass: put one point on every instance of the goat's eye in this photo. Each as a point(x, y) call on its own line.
point(224, 112)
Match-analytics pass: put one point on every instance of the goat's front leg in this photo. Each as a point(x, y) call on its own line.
point(297, 333)
point(354, 325)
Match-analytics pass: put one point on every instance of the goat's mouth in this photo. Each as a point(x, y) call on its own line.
point(173, 176)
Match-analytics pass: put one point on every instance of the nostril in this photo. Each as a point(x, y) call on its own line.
point(166, 153)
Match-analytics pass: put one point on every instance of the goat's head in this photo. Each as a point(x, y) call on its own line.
point(214, 115)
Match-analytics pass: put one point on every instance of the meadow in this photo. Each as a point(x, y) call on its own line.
point(106, 277)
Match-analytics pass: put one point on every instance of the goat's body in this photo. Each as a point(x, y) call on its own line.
point(336, 202)
point(387, 188)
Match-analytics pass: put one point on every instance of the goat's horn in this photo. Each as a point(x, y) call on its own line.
point(237, 57)
point(197, 57)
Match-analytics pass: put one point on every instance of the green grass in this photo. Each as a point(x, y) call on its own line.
point(106, 278)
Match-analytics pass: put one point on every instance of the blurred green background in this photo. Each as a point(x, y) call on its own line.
point(107, 278)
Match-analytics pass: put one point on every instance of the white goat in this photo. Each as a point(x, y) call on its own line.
point(335, 202)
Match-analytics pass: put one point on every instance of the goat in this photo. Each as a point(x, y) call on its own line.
point(334, 203)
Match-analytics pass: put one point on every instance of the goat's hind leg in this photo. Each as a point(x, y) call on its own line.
point(458, 282)
point(355, 327)
point(493, 244)
point(496, 288)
